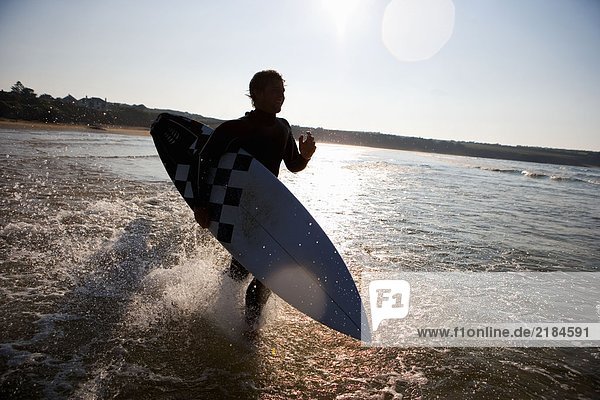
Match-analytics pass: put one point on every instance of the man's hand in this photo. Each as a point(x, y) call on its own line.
point(307, 145)
point(202, 216)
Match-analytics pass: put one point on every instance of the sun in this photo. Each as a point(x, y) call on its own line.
point(341, 11)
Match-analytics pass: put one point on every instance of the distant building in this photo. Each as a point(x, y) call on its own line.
point(69, 99)
point(94, 103)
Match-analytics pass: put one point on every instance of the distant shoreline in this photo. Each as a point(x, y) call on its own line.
point(403, 143)
point(581, 158)
point(21, 108)
point(43, 126)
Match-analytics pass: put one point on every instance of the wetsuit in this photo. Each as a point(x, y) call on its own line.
point(269, 139)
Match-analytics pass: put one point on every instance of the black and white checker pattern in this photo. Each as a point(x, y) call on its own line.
point(181, 177)
point(182, 181)
point(178, 141)
point(227, 182)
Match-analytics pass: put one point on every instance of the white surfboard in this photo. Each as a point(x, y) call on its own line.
point(266, 228)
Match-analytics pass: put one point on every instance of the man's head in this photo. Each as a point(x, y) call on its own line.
point(267, 91)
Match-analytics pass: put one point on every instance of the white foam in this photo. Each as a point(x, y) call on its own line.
point(194, 288)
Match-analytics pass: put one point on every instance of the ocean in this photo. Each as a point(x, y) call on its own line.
point(108, 288)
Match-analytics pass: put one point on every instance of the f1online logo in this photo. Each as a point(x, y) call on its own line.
point(389, 299)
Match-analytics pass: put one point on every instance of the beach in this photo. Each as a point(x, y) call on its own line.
point(21, 125)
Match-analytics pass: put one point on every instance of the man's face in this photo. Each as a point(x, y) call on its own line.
point(271, 98)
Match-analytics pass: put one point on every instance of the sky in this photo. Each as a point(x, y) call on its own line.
point(516, 72)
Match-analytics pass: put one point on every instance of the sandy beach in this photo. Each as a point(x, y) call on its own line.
point(35, 125)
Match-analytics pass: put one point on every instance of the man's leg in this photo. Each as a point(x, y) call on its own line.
point(237, 272)
point(256, 298)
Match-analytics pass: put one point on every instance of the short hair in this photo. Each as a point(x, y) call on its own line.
point(261, 79)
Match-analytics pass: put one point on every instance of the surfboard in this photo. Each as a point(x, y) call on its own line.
point(265, 227)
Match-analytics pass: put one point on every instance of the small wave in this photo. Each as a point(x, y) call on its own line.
point(131, 156)
point(501, 170)
point(532, 174)
point(590, 181)
point(559, 178)
point(541, 175)
point(87, 156)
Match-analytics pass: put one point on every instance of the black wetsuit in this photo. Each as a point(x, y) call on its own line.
point(269, 139)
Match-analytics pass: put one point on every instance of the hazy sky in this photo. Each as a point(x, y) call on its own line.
point(499, 71)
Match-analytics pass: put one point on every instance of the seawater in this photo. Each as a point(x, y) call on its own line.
point(108, 288)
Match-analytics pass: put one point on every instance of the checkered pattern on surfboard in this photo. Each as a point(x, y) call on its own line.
point(178, 140)
point(227, 183)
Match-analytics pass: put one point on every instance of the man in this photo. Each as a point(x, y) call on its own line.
point(269, 139)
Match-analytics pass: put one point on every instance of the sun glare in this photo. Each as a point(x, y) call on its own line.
point(341, 11)
point(415, 30)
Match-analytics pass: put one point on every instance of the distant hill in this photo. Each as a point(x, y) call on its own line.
point(471, 149)
point(23, 104)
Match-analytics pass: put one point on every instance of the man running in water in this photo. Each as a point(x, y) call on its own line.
point(269, 139)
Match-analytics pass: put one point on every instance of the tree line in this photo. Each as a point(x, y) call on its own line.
point(22, 103)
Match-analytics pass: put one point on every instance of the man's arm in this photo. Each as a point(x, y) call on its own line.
point(296, 159)
point(307, 145)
